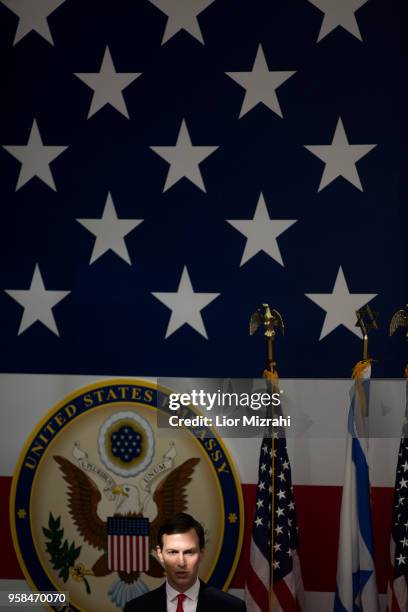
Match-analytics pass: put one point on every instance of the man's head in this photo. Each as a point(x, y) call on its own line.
point(180, 549)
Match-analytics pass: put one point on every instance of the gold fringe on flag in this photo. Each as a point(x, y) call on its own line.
point(358, 372)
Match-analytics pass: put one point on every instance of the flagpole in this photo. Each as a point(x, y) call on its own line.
point(269, 320)
point(366, 321)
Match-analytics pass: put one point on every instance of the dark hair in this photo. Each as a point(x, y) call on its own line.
point(180, 523)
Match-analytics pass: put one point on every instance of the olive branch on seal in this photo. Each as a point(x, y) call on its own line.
point(63, 555)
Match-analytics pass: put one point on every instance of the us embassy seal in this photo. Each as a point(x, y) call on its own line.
point(95, 480)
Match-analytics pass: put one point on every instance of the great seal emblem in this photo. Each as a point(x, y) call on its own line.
point(99, 458)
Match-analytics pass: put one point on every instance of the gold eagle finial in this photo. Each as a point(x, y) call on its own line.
point(399, 319)
point(269, 319)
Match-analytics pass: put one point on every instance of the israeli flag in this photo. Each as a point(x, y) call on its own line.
point(356, 579)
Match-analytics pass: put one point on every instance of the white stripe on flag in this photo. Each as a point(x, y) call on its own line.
point(251, 604)
point(260, 565)
point(116, 552)
point(294, 581)
point(134, 545)
point(146, 552)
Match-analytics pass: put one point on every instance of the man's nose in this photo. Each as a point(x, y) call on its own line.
point(181, 560)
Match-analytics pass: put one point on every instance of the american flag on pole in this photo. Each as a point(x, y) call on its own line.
point(356, 575)
point(397, 585)
point(128, 544)
point(274, 579)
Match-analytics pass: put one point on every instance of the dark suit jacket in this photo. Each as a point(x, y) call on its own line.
point(210, 599)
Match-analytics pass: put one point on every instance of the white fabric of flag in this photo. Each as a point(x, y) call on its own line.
point(356, 577)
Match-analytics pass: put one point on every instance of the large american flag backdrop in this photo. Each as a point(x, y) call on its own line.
point(168, 165)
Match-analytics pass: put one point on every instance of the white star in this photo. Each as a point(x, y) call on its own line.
point(285, 465)
point(32, 16)
point(289, 552)
point(108, 85)
point(400, 500)
point(404, 542)
point(282, 476)
point(110, 232)
point(280, 511)
point(261, 84)
point(405, 466)
point(400, 559)
point(37, 303)
point(263, 467)
point(291, 506)
point(184, 159)
point(339, 14)
point(261, 233)
point(186, 305)
point(403, 483)
point(281, 494)
point(259, 504)
point(182, 15)
point(261, 485)
point(276, 564)
point(265, 448)
point(35, 158)
point(340, 306)
point(276, 547)
point(278, 529)
point(340, 158)
point(258, 521)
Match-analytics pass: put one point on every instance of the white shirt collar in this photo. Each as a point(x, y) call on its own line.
point(191, 593)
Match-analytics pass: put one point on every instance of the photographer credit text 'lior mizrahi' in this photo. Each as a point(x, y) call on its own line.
point(219, 401)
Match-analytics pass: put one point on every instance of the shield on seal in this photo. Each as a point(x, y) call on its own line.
point(128, 544)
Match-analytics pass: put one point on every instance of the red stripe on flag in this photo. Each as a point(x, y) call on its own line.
point(318, 512)
point(257, 589)
point(285, 597)
point(382, 501)
point(9, 566)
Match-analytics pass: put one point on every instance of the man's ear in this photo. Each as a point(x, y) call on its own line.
point(159, 553)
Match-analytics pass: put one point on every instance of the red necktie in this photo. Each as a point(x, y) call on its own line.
point(181, 597)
